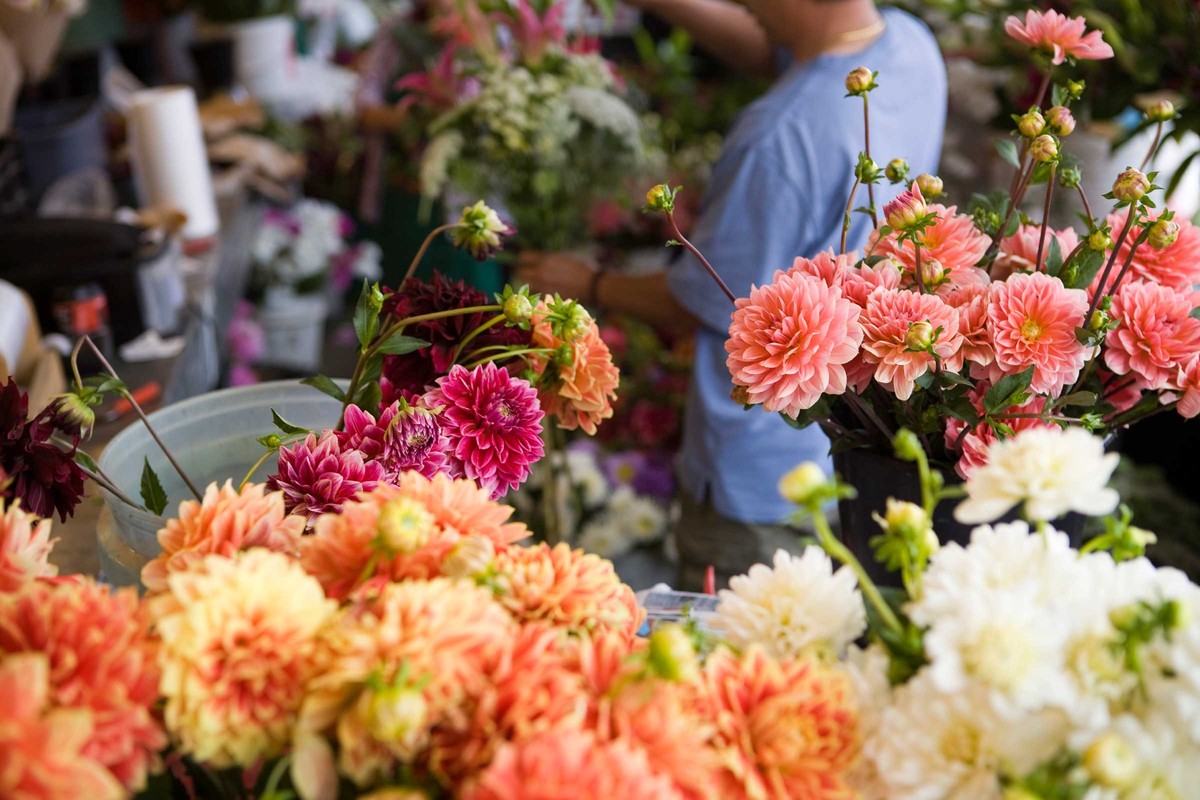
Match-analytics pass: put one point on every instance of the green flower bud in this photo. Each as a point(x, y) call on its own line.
point(398, 717)
point(1043, 149)
point(1098, 321)
point(73, 415)
point(671, 653)
point(860, 81)
point(804, 484)
point(1130, 186)
point(1161, 111)
point(1031, 123)
point(1069, 176)
point(932, 272)
point(1076, 89)
point(1163, 233)
point(1111, 762)
point(479, 230)
point(660, 198)
point(518, 309)
point(920, 336)
point(470, 557)
point(931, 185)
point(896, 170)
point(1099, 240)
point(906, 445)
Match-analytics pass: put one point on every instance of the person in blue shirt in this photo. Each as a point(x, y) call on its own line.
point(778, 191)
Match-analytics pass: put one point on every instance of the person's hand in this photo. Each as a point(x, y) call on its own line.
point(549, 273)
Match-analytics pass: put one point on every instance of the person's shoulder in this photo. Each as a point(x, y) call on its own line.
point(907, 31)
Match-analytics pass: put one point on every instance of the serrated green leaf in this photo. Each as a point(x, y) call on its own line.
point(1006, 391)
point(324, 384)
point(153, 495)
point(366, 313)
point(398, 344)
point(85, 461)
point(284, 425)
point(1007, 149)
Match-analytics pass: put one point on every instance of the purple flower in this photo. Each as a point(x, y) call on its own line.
point(622, 468)
point(317, 476)
point(656, 478)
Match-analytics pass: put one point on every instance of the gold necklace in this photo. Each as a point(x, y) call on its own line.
point(857, 35)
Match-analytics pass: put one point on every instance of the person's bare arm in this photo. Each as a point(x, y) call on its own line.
point(727, 31)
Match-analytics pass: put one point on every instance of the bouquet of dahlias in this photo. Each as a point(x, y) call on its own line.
point(1010, 668)
point(527, 118)
point(968, 328)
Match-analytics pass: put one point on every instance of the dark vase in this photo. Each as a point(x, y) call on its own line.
point(877, 477)
point(214, 65)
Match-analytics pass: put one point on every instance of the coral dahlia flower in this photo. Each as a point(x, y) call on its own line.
point(1176, 266)
point(41, 747)
point(1033, 320)
point(886, 322)
point(225, 522)
point(858, 283)
point(102, 665)
point(1155, 337)
point(953, 240)
point(971, 301)
point(1189, 384)
point(494, 424)
point(579, 394)
point(789, 342)
point(831, 269)
point(1019, 252)
point(317, 476)
point(786, 730)
point(25, 546)
point(1059, 36)
point(239, 648)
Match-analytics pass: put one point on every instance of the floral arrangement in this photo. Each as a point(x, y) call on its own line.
point(1013, 666)
point(538, 124)
point(968, 328)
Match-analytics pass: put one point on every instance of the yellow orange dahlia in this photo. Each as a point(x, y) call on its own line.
point(583, 389)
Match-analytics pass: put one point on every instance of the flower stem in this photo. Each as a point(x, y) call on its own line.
point(1138, 242)
point(917, 267)
point(1037, 264)
point(507, 353)
point(691, 248)
point(1108, 267)
point(867, 150)
point(846, 216)
point(837, 550)
point(433, 234)
point(473, 334)
point(145, 420)
point(75, 365)
point(1087, 207)
point(866, 414)
point(1153, 146)
point(550, 519)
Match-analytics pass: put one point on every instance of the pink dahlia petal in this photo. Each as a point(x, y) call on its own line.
point(829, 268)
point(1033, 320)
point(1189, 383)
point(886, 322)
point(1019, 251)
point(493, 422)
point(1176, 266)
point(316, 476)
point(1058, 35)
point(953, 240)
point(1155, 337)
point(971, 301)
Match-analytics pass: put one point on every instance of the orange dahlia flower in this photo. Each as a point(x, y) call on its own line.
point(581, 393)
point(25, 546)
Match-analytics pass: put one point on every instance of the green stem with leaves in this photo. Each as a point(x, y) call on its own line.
point(1133, 213)
point(867, 150)
point(846, 216)
point(470, 337)
point(838, 551)
point(412, 267)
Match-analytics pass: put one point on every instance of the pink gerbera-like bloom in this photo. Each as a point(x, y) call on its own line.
point(580, 394)
point(102, 663)
point(25, 546)
point(971, 301)
point(494, 424)
point(224, 522)
point(401, 439)
point(317, 476)
point(1019, 251)
point(1176, 266)
point(1155, 336)
point(789, 342)
point(567, 588)
point(1058, 35)
point(1189, 384)
point(350, 547)
point(888, 322)
point(1033, 320)
point(571, 764)
point(41, 747)
point(952, 240)
point(785, 729)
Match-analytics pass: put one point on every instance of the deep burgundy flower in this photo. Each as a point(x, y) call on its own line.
point(43, 477)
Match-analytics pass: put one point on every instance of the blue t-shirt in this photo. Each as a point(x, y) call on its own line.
point(778, 191)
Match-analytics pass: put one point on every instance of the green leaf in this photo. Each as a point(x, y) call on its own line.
point(369, 396)
point(153, 495)
point(85, 461)
point(366, 313)
point(948, 379)
point(1195, 313)
point(1085, 399)
point(324, 384)
point(284, 425)
point(1007, 149)
point(1083, 269)
point(1054, 257)
point(925, 380)
point(1180, 171)
point(1058, 95)
point(1006, 391)
point(961, 408)
point(398, 344)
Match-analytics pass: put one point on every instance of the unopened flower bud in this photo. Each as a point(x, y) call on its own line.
point(1163, 233)
point(740, 395)
point(479, 230)
point(906, 445)
point(931, 185)
point(404, 525)
point(518, 309)
point(1161, 111)
point(470, 557)
point(1060, 120)
point(564, 356)
point(1098, 321)
point(905, 519)
point(860, 81)
point(1176, 615)
point(1031, 123)
point(1069, 176)
point(72, 415)
point(1043, 149)
point(398, 718)
point(906, 210)
point(1130, 186)
point(1099, 240)
point(577, 323)
point(671, 653)
point(1076, 88)
point(919, 337)
point(932, 272)
point(803, 484)
point(896, 170)
point(660, 198)
point(1111, 762)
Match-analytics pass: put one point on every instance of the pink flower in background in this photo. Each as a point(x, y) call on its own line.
point(1019, 251)
point(606, 217)
point(533, 32)
point(1121, 392)
point(1176, 266)
point(1189, 383)
point(494, 424)
point(857, 284)
point(1060, 36)
point(316, 476)
point(616, 339)
point(829, 268)
point(25, 546)
point(245, 335)
point(1033, 320)
point(887, 321)
point(971, 301)
point(952, 239)
point(241, 375)
point(439, 88)
point(1155, 337)
point(789, 342)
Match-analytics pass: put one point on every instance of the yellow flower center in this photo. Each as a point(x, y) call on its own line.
point(1031, 329)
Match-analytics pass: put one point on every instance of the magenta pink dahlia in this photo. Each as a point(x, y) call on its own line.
point(494, 424)
point(403, 438)
point(316, 476)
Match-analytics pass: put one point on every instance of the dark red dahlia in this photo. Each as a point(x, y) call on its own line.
point(42, 476)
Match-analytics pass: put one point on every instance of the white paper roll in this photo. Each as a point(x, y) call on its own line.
point(170, 164)
point(14, 322)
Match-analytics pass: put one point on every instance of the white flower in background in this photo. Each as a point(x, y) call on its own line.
point(799, 607)
point(606, 112)
point(867, 669)
point(434, 170)
point(641, 517)
point(587, 476)
point(930, 745)
point(1050, 470)
point(368, 262)
point(269, 242)
point(604, 537)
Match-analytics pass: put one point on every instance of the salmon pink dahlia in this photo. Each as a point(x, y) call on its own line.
point(829, 268)
point(888, 322)
point(239, 647)
point(858, 283)
point(1059, 36)
point(952, 240)
point(1155, 336)
point(1033, 320)
point(972, 304)
point(1019, 251)
point(789, 342)
point(225, 522)
point(25, 546)
point(1176, 266)
point(494, 424)
point(102, 665)
point(41, 747)
point(1189, 385)
point(317, 476)
point(580, 393)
